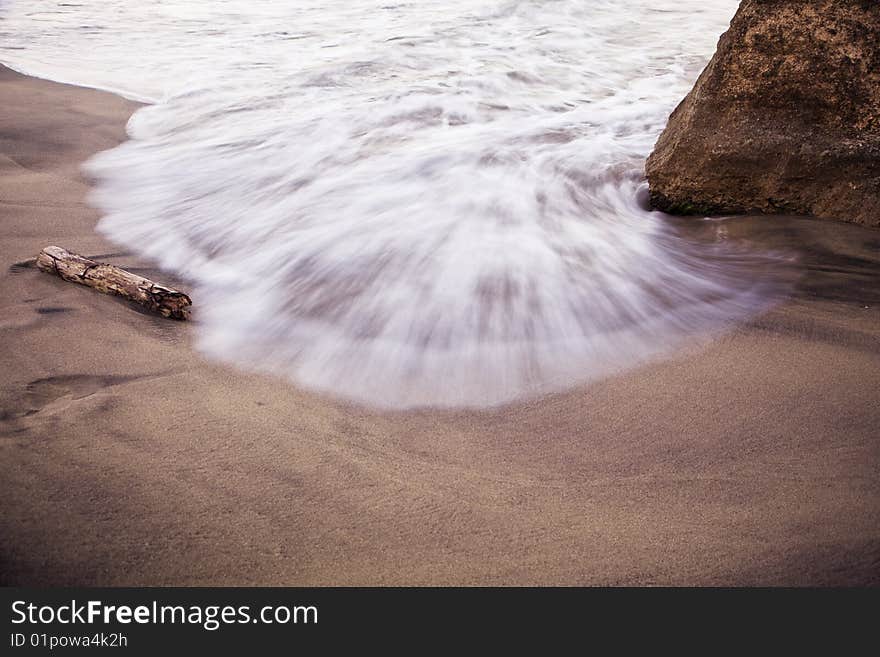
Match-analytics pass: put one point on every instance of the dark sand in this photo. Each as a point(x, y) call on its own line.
point(128, 459)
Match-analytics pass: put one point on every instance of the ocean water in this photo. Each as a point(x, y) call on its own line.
point(406, 203)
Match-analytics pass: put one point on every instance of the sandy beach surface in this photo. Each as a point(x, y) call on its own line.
point(128, 459)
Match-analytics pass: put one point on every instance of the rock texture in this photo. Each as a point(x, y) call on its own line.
point(784, 119)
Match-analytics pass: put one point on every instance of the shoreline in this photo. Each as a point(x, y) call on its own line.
point(124, 95)
point(130, 460)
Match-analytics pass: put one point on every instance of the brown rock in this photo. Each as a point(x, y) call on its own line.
point(784, 119)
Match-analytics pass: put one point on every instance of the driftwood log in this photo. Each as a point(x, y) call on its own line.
point(113, 280)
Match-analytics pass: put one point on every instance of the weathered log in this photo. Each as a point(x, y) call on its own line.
point(114, 280)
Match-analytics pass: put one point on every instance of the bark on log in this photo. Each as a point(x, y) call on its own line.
point(113, 280)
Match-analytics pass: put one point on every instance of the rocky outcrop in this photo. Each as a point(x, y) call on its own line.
point(784, 119)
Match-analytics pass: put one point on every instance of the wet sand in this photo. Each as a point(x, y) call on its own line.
point(127, 459)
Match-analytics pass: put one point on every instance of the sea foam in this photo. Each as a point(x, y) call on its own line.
point(405, 203)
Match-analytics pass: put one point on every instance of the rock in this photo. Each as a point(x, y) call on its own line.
point(784, 119)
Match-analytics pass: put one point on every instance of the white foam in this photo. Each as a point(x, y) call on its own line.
point(410, 204)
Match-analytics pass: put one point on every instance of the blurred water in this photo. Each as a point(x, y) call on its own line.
point(405, 203)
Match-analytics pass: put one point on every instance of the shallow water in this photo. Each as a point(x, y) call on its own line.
point(407, 203)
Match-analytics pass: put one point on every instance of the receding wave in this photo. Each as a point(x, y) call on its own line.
point(421, 204)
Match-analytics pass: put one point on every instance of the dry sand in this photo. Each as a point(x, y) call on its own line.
point(128, 459)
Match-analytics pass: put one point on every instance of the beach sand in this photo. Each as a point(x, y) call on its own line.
point(127, 459)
